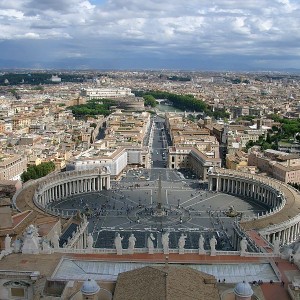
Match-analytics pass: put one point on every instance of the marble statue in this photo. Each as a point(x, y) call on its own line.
point(150, 243)
point(131, 243)
point(55, 240)
point(276, 246)
point(181, 243)
point(90, 241)
point(17, 245)
point(213, 242)
point(243, 245)
point(7, 243)
point(31, 243)
point(46, 246)
point(201, 244)
point(118, 244)
point(165, 242)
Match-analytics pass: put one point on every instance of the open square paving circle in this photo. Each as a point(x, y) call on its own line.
point(156, 201)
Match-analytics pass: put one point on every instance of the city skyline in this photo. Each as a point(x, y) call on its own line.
point(115, 34)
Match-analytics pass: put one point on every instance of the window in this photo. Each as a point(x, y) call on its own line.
point(17, 292)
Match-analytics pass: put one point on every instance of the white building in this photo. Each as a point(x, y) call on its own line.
point(100, 93)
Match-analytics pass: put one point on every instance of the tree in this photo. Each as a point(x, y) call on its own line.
point(149, 100)
point(93, 107)
point(35, 172)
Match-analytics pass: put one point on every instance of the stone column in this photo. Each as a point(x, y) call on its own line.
point(210, 183)
point(108, 182)
point(284, 237)
point(217, 183)
point(289, 234)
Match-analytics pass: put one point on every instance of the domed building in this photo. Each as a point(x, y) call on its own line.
point(243, 291)
point(89, 289)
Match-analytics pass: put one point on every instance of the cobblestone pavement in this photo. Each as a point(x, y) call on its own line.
point(187, 206)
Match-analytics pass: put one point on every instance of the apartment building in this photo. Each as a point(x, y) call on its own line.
point(237, 160)
point(12, 166)
point(193, 146)
point(280, 165)
point(193, 159)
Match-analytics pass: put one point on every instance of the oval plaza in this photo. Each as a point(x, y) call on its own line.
point(248, 216)
point(274, 214)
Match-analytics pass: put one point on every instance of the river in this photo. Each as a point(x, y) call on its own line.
point(167, 108)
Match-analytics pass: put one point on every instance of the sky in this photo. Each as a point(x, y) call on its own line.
point(150, 34)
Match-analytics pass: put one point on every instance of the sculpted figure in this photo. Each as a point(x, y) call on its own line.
point(31, 243)
point(46, 246)
point(55, 240)
point(131, 243)
point(17, 245)
point(165, 242)
point(243, 244)
point(118, 244)
point(90, 241)
point(150, 243)
point(7, 243)
point(213, 242)
point(201, 243)
point(181, 242)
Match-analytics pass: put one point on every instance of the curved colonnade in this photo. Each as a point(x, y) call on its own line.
point(58, 186)
point(282, 221)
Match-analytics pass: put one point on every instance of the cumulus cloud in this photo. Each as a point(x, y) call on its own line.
point(177, 29)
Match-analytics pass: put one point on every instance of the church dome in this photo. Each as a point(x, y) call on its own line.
point(90, 287)
point(243, 289)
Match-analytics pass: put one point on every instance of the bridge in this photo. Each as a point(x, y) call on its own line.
point(161, 100)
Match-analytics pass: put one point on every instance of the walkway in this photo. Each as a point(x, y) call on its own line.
point(276, 291)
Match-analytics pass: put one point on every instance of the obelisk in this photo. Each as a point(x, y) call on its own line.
point(159, 202)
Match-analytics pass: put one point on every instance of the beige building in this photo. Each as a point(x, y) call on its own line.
point(241, 134)
point(2, 126)
point(236, 160)
point(11, 167)
point(193, 146)
point(20, 121)
point(192, 158)
point(280, 165)
point(126, 128)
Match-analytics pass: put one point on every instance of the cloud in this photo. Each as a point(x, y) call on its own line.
point(173, 30)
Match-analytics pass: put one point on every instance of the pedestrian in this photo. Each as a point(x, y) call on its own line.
point(282, 283)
